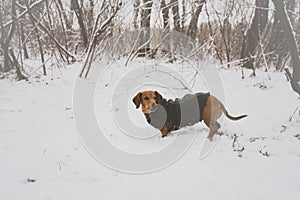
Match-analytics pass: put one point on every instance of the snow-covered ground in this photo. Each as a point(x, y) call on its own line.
point(41, 156)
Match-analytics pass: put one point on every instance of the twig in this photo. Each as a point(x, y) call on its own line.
point(25, 12)
point(176, 78)
point(291, 117)
point(266, 153)
point(45, 29)
point(284, 128)
point(234, 140)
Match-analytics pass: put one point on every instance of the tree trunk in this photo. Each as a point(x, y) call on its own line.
point(42, 54)
point(63, 25)
point(79, 15)
point(6, 38)
point(146, 13)
point(90, 16)
point(21, 22)
point(175, 12)
point(277, 43)
point(51, 36)
point(63, 11)
point(49, 16)
point(146, 17)
point(183, 16)
point(165, 13)
point(217, 50)
point(192, 30)
point(254, 33)
point(15, 63)
point(136, 13)
point(26, 56)
point(291, 43)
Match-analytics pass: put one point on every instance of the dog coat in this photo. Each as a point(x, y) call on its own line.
point(181, 112)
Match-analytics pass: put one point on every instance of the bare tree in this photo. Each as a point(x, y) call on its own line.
point(90, 15)
point(165, 13)
point(254, 33)
point(7, 35)
point(63, 21)
point(277, 43)
point(175, 12)
point(225, 30)
point(21, 23)
point(146, 12)
point(136, 11)
point(79, 14)
point(99, 31)
point(183, 16)
point(145, 24)
point(61, 10)
point(192, 30)
point(23, 41)
point(45, 29)
point(217, 50)
point(15, 63)
point(291, 43)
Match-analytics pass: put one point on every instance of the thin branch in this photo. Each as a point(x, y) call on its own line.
point(32, 6)
point(44, 29)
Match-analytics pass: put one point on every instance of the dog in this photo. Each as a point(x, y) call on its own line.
point(169, 115)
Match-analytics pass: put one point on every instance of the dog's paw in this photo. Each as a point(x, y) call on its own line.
point(210, 138)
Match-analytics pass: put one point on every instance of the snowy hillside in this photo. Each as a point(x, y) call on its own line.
point(42, 157)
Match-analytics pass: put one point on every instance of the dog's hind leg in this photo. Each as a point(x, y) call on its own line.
point(211, 134)
point(213, 129)
point(217, 125)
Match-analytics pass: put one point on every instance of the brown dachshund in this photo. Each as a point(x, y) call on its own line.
point(168, 115)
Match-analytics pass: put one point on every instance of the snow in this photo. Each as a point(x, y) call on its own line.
point(39, 141)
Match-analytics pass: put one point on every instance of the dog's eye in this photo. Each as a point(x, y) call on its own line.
point(146, 98)
point(155, 98)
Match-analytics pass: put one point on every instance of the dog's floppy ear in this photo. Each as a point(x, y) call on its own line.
point(159, 97)
point(137, 100)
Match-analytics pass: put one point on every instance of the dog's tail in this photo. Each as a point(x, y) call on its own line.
point(231, 117)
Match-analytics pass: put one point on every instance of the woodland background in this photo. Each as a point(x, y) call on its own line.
point(250, 34)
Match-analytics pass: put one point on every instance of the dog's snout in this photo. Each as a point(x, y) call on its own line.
point(152, 104)
point(153, 108)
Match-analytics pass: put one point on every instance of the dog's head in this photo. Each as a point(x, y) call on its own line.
point(147, 99)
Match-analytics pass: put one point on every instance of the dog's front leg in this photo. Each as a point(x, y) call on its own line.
point(166, 129)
